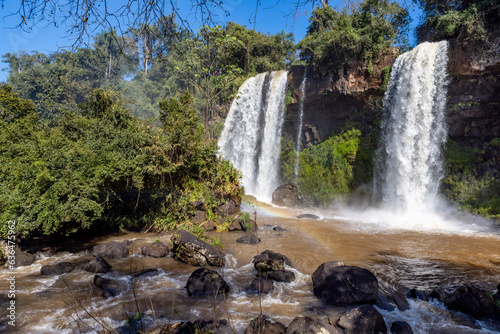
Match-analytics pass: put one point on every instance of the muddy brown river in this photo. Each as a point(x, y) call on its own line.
point(401, 256)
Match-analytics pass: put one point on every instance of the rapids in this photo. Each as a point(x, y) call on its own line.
point(399, 258)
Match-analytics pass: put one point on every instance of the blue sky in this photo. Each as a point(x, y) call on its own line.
point(45, 38)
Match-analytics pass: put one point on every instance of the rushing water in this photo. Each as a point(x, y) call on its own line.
point(400, 259)
point(299, 127)
point(410, 166)
point(251, 138)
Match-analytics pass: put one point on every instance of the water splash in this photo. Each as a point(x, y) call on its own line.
point(299, 128)
point(251, 138)
point(410, 166)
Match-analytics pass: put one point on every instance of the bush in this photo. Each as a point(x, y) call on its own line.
point(326, 169)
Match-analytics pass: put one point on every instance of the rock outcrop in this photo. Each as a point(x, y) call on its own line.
point(190, 249)
point(341, 285)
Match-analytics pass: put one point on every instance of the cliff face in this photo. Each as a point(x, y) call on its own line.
point(352, 97)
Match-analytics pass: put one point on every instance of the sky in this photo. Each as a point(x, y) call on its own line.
point(272, 17)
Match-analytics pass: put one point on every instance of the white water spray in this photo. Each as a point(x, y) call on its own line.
point(299, 127)
point(251, 139)
point(410, 166)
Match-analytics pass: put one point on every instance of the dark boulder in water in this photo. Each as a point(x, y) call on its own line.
point(286, 276)
point(363, 319)
point(401, 327)
point(156, 249)
point(190, 249)
point(110, 287)
point(96, 265)
point(341, 285)
point(470, 300)
point(248, 239)
point(261, 285)
point(199, 326)
point(270, 261)
point(264, 325)
point(111, 250)
point(57, 269)
point(286, 195)
point(204, 281)
point(311, 325)
point(23, 259)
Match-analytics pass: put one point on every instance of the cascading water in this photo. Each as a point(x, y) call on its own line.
point(409, 170)
point(299, 128)
point(251, 138)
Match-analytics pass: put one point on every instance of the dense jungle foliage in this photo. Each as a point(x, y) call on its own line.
point(121, 132)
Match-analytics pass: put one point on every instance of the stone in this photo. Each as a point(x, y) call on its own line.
point(229, 208)
point(23, 259)
point(204, 281)
point(310, 325)
point(363, 319)
point(470, 300)
point(270, 261)
point(156, 249)
point(248, 239)
point(401, 327)
point(342, 285)
point(286, 276)
point(188, 248)
point(110, 287)
point(57, 268)
point(208, 226)
point(264, 325)
point(241, 224)
point(145, 273)
point(200, 217)
point(261, 285)
point(96, 265)
point(111, 250)
point(199, 326)
point(286, 195)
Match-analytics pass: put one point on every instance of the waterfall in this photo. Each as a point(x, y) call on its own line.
point(409, 169)
point(251, 138)
point(299, 127)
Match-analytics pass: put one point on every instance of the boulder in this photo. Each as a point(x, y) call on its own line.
point(23, 259)
point(205, 281)
point(96, 265)
point(57, 269)
point(364, 319)
point(264, 325)
point(310, 325)
point(156, 249)
point(208, 226)
point(200, 217)
point(190, 249)
point(261, 285)
point(401, 327)
point(270, 261)
point(110, 287)
point(286, 276)
point(229, 208)
point(470, 300)
point(341, 285)
point(248, 239)
point(286, 195)
point(145, 273)
point(111, 250)
point(240, 224)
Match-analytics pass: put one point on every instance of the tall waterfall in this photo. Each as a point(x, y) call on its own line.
point(251, 138)
point(410, 166)
point(299, 127)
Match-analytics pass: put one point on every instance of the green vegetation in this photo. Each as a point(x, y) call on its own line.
point(468, 20)
point(103, 167)
point(326, 169)
point(335, 38)
point(475, 193)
